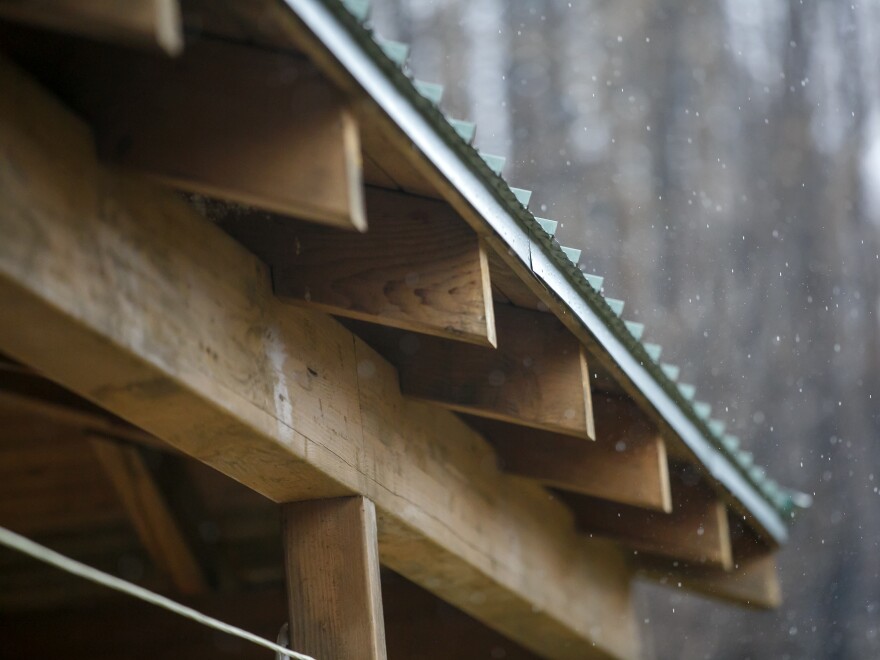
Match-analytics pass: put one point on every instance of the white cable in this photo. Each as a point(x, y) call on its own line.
point(44, 554)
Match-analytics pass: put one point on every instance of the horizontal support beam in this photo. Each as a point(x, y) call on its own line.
point(419, 267)
point(695, 531)
point(259, 128)
point(752, 582)
point(537, 377)
point(140, 23)
point(633, 473)
point(150, 516)
point(127, 296)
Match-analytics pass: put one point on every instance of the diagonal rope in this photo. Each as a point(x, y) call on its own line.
point(42, 553)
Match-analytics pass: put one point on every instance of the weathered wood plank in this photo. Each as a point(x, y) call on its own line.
point(259, 128)
point(419, 267)
point(141, 23)
point(696, 530)
point(332, 565)
point(150, 516)
point(537, 377)
point(630, 470)
point(127, 296)
point(752, 582)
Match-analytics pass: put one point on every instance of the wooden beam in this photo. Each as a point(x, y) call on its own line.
point(332, 563)
point(142, 23)
point(537, 377)
point(127, 296)
point(752, 582)
point(150, 516)
point(696, 531)
point(627, 471)
point(419, 267)
point(258, 128)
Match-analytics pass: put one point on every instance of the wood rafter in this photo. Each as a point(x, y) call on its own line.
point(332, 565)
point(537, 377)
point(241, 124)
point(695, 531)
point(752, 581)
point(631, 471)
point(419, 267)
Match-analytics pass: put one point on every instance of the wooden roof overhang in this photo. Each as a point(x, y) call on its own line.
point(456, 323)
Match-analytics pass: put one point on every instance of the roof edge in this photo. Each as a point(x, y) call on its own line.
point(502, 215)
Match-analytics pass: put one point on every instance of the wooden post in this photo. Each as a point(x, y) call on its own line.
point(332, 566)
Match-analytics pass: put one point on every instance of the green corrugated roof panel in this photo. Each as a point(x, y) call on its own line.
point(730, 442)
point(615, 305)
point(573, 254)
point(594, 281)
point(396, 51)
point(431, 91)
point(522, 196)
point(548, 226)
point(653, 351)
point(702, 409)
point(360, 9)
point(495, 163)
point(635, 329)
point(671, 370)
point(770, 487)
point(717, 427)
point(745, 458)
point(467, 130)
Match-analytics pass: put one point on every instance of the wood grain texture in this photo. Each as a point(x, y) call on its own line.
point(126, 295)
point(696, 530)
point(751, 582)
point(537, 376)
point(253, 127)
point(332, 564)
point(628, 471)
point(141, 23)
point(150, 516)
point(510, 286)
point(418, 268)
point(384, 154)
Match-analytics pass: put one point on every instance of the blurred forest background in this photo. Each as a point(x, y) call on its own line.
point(719, 164)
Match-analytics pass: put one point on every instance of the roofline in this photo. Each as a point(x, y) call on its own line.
point(339, 41)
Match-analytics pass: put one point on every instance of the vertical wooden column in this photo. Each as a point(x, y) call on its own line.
point(332, 566)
